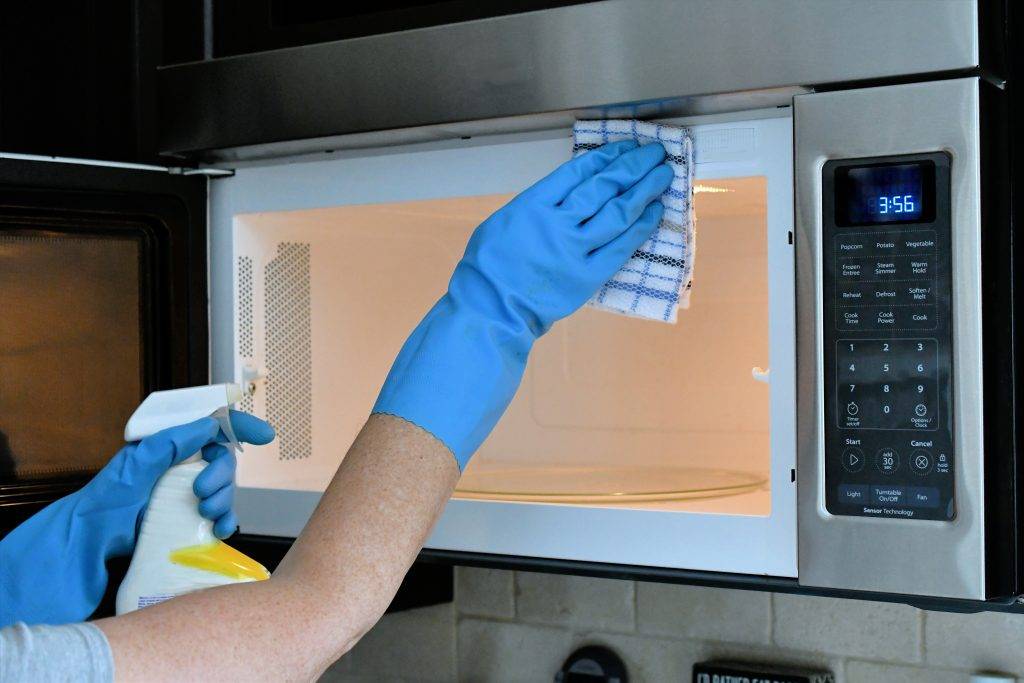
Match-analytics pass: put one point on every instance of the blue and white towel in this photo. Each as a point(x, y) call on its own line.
point(656, 280)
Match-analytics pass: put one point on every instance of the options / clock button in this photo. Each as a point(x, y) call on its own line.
point(887, 460)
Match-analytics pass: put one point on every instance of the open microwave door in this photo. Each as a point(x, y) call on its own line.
point(103, 283)
point(629, 441)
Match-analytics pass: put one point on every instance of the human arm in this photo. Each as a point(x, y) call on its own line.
point(331, 587)
point(532, 263)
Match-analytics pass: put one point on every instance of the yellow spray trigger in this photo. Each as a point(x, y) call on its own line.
point(220, 558)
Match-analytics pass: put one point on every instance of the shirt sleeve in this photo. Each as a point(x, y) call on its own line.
point(48, 654)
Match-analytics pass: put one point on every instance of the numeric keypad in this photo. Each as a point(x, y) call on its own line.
point(886, 383)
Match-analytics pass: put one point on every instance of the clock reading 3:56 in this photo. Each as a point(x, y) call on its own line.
point(885, 193)
point(896, 204)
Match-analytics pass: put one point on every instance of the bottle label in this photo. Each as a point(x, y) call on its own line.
point(147, 600)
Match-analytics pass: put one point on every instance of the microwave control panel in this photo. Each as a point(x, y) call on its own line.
point(887, 302)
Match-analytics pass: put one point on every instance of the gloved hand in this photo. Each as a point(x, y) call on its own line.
point(535, 261)
point(52, 567)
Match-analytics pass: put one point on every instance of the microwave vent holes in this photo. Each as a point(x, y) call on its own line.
point(245, 345)
point(245, 328)
point(288, 333)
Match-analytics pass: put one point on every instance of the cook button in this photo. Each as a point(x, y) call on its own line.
point(853, 460)
point(887, 460)
point(917, 318)
point(889, 495)
point(853, 494)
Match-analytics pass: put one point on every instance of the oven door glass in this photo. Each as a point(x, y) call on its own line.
point(71, 349)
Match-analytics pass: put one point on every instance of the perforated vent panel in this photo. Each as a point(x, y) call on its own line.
point(245, 321)
point(288, 352)
point(245, 306)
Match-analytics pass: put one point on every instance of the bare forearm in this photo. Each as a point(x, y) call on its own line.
point(329, 590)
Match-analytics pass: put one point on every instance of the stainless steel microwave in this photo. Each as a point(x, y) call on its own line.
point(835, 413)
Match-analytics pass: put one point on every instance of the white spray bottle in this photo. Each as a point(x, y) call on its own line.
point(176, 551)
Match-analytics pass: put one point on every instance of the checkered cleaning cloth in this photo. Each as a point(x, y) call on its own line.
point(655, 281)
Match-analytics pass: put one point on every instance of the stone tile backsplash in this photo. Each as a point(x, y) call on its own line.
point(520, 626)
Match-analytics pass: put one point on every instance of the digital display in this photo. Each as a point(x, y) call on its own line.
point(885, 193)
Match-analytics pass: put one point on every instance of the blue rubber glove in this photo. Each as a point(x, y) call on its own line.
point(52, 567)
point(535, 261)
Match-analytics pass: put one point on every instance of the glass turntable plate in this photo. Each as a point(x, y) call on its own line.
point(602, 483)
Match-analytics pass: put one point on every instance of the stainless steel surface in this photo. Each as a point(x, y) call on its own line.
point(701, 105)
point(608, 58)
point(944, 559)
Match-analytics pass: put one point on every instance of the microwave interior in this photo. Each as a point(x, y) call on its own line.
point(321, 266)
